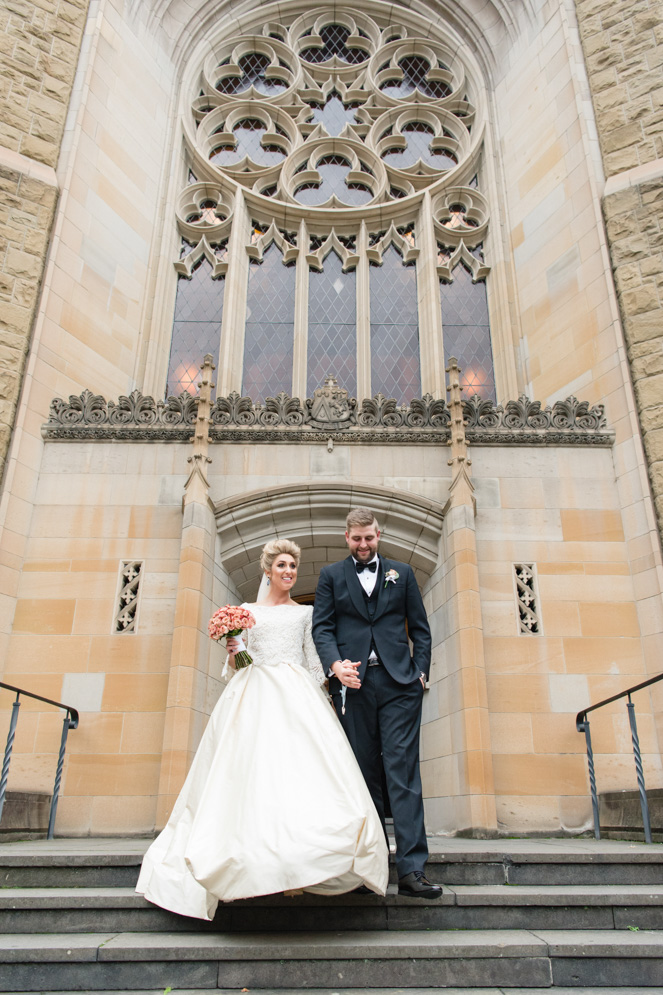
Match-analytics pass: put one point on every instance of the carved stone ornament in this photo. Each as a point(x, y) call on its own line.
point(330, 407)
point(329, 414)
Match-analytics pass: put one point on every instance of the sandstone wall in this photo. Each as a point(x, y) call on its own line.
point(39, 46)
point(623, 46)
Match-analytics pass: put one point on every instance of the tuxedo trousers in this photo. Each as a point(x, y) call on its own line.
point(382, 721)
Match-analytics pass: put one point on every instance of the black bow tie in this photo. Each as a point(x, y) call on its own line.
point(366, 566)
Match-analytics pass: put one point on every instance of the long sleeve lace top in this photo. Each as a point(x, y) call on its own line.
point(282, 634)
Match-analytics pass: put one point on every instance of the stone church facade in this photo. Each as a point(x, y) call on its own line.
point(262, 262)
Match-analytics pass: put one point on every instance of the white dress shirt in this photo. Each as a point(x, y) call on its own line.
point(368, 578)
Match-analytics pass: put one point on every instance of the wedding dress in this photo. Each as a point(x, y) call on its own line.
point(274, 800)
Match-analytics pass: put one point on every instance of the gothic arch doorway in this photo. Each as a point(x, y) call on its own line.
point(313, 515)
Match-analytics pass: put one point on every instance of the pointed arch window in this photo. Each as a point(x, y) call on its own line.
point(196, 327)
point(332, 326)
point(395, 365)
point(466, 330)
point(385, 139)
point(270, 324)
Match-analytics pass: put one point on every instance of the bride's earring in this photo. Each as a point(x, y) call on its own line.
point(267, 579)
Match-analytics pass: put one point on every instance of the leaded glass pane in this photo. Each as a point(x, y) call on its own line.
point(196, 328)
point(466, 330)
point(333, 171)
point(255, 72)
point(395, 369)
point(334, 115)
point(269, 332)
point(418, 137)
point(334, 38)
point(415, 72)
point(332, 326)
point(248, 134)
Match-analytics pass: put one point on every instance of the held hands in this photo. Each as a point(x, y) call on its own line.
point(346, 671)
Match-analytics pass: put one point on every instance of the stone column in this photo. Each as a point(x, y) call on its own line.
point(466, 675)
point(430, 314)
point(187, 682)
point(300, 348)
point(363, 316)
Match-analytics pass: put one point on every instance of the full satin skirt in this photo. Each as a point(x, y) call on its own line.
point(274, 801)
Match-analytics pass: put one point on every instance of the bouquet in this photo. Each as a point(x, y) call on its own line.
point(230, 621)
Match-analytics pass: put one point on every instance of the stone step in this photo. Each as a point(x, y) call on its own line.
point(630, 990)
point(77, 910)
point(63, 864)
point(416, 959)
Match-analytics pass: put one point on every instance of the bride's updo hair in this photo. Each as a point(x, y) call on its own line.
point(275, 548)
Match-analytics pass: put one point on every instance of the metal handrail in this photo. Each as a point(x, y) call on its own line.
point(582, 725)
point(70, 722)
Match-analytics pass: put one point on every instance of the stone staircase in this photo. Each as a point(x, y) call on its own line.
point(516, 916)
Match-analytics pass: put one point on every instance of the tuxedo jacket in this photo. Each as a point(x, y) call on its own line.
point(343, 628)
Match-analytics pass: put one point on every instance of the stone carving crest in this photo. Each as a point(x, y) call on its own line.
point(330, 413)
point(331, 408)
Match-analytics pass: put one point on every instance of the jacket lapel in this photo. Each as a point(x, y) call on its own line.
point(384, 590)
point(354, 587)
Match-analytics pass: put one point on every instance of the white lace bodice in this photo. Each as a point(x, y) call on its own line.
point(282, 634)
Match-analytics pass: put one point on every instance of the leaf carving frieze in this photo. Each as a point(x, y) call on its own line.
point(330, 414)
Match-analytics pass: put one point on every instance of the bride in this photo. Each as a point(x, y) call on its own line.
point(274, 800)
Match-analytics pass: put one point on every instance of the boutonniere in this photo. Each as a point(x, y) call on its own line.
point(391, 575)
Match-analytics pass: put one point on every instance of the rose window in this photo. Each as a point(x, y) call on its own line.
point(343, 153)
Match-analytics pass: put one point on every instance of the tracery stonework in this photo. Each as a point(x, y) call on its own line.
point(343, 134)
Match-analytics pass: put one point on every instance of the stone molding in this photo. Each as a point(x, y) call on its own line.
point(329, 416)
point(314, 513)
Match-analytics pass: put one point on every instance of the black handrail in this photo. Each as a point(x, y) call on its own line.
point(582, 725)
point(70, 722)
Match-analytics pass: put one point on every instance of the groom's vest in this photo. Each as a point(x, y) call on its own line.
point(372, 604)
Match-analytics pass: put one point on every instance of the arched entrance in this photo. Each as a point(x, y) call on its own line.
point(313, 515)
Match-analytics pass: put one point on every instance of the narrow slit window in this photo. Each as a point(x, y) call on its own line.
point(332, 326)
point(270, 327)
point(395, 366)
point(196, 328)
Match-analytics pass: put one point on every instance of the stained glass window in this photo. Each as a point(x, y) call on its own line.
point(415, 69)
point(332, 326)
point(466, 331)
point(269, 332)
point(334, 38)
point(255, 72)
point(196, 328)
point(395, 369)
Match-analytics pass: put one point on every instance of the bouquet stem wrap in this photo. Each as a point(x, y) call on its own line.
point(242, 656)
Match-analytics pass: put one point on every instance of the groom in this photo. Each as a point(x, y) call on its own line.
point(366, 606)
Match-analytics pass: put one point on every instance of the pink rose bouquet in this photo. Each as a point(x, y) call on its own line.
point(230, 621)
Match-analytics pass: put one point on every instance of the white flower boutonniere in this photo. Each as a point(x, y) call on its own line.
point(391, 575)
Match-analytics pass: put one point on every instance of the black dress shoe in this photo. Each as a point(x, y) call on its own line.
point(417, 885)
point(362, 890)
